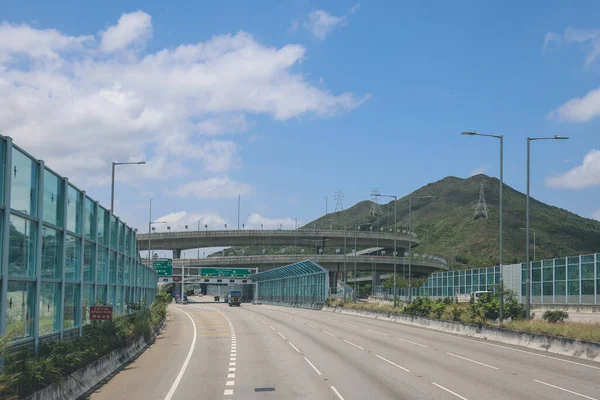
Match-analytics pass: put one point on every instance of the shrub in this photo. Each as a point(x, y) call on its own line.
point(456, 313)
point(554, 316)
point(486, 308)
point(25, 372)
point(421, 306)
point(438, 309)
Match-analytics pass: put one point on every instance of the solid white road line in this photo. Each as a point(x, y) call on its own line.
point(394, 364)
point(355, 345)
point(281, 335)
point(473, 361)
point(565, 390)
point(330, 334)
point(356, 326)
point(450, 391)
point(295, 348)
point(337, 393)
point(380, 333)
point(312, 365)
point(411, 342)
point(187, 359)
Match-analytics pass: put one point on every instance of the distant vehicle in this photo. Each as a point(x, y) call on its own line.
point(478, 294)
point(234, 298)
point(217, 298)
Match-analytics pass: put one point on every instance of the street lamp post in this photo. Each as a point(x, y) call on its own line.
point(112, 186)
point(501, 294)
point(533, 230)
point(395, 238)
point(410, 242)
point(150, 228)
point(355, 233)
point(527, 282)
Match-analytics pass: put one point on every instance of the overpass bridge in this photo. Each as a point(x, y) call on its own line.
point(178, 241)
point(334, 263)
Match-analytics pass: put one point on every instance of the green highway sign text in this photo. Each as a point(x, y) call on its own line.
point(163, 267)
point(226, 272)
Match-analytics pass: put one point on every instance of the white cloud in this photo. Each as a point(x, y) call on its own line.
point(293, 26)
point(479, 170)
point(132, 29)
point(79, 108)
point(579, 109)
point(255, 220)
point(596, 214)
point(212, 188)
point(590, 38)
point(178, 220)
point(256, 138)
point(223, 124)
point(581, 177)
point(23, 40)
point(320, 23)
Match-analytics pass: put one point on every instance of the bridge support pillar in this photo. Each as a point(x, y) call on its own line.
point(176, 253)
point(333, 275)
point(376, 279)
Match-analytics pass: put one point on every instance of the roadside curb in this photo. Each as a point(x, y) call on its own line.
point(86, 379)
point(585, 350)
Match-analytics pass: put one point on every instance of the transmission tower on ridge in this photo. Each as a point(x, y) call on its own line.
point(481, 210)
point(339, 198)
point(375, 207)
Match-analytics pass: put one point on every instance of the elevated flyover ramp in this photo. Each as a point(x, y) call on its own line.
point(330, 262)
point(178, 241)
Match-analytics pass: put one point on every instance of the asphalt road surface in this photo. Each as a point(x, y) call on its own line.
point(212, 351)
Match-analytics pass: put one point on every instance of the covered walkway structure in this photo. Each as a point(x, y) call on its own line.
point(304, 284)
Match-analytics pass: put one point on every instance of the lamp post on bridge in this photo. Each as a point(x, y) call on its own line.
point(150, 229)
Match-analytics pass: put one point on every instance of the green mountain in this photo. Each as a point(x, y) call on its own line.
point(446, 226)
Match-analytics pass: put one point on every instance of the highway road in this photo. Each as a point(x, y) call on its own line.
point(268, 352)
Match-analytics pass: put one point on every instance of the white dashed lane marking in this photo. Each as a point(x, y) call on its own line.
point(295, 348)
point(355, 345)
point(450, 391)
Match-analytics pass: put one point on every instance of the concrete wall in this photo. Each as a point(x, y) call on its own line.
point(589, 351)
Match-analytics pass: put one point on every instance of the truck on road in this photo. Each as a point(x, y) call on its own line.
point(234, 298)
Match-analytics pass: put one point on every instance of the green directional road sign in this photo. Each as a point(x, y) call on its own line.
point(226, 272)
point(163, 267)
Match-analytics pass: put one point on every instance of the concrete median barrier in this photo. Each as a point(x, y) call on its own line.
point(585, 350)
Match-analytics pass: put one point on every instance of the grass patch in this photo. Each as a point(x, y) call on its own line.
point(589, 331)
point(26, 372)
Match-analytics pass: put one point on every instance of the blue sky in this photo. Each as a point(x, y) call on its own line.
point(288, 101)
